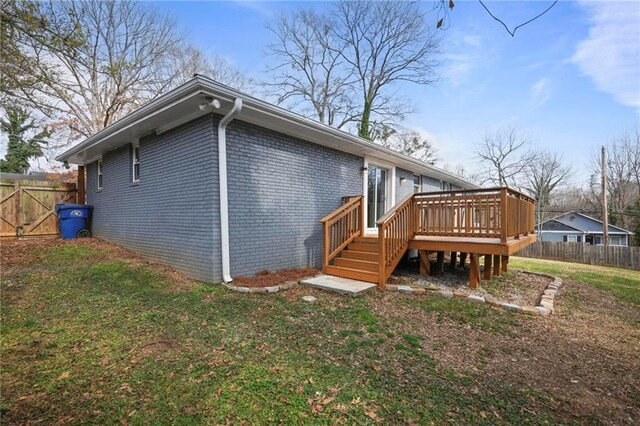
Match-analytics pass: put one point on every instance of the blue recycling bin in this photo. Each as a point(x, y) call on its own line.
point(73, 220)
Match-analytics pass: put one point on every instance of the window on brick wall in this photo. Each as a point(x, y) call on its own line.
point(135, 161)
point(99, 174)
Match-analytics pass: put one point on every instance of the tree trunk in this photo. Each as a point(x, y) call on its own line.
point(363, 130)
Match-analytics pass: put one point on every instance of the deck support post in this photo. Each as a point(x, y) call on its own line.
point(496, 265)
point(463, 260)
point(505, 263)
point(474, 271)
point(488, 264)
point(504, 214)
point(425, 265)
point(440, 263)
point(454, 260)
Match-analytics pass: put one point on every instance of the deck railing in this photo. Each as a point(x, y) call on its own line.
point(483, 213)
point(520, 215)
point(395, 230)
point(341, 226)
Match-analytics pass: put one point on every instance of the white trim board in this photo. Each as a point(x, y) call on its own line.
point(391, 185)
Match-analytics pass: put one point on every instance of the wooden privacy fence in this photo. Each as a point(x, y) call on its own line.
point(27, 208)
point(618, 256)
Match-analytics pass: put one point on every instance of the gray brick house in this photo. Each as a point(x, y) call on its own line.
point(219, 184)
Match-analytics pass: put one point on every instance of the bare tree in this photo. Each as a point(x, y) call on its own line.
point(22, 21)
point(544, 175)
point(570, 198)
point(310, 68)
point(189, 61)
point(120, 60)
point(345, 66)
point(385, 43)
point(503, 157)
point(632, 141)
point(410, 142)
point(623, 177)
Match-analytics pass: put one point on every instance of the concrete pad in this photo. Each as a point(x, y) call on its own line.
point(339, 284)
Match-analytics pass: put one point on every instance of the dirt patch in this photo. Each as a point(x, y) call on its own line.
point(157, 347)
point(267, 278)
point(585, 355)
point(513, 287)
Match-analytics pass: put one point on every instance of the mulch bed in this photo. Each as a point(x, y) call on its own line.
point(267, 278)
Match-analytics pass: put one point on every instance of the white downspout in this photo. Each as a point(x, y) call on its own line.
point(224, 196)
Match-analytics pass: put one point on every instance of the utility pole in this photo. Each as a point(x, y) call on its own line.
point(605, 210)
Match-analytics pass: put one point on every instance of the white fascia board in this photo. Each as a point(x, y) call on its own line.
point(610, 233)
point(563, 232)
point(172, 98)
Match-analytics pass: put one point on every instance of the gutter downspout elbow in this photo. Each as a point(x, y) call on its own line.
point(224, 195)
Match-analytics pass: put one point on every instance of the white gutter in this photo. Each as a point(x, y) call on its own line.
point(224, 196)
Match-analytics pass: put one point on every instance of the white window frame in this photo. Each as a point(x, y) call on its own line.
point(100, 174)
point(572, 238)
point(390, 186)
point(135, 148)
point(418, 187)
point(619, 240)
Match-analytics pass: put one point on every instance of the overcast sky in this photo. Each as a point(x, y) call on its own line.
point(571, 79)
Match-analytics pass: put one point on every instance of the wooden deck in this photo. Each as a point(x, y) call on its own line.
point(471, 244)
point(491, 223)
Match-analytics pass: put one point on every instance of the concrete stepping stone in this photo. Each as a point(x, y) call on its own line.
point(339, 284)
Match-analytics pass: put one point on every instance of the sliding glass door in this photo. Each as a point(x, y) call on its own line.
point(376, 194)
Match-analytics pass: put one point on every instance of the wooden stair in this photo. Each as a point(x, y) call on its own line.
point(358, 261)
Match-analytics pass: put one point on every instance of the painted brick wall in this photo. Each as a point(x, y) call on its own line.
point(279, 189)
point(172, 213)
point(402, 190)
point(430, 184)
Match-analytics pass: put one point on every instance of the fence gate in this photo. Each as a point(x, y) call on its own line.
point(27, 208)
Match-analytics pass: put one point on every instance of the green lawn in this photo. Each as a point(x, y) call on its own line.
point(91, 337)
point(623, 283)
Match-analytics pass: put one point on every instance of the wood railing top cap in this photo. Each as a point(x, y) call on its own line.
point(341, 209)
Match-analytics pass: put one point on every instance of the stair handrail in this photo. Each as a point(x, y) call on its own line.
point(341, 227)
point(395, 230)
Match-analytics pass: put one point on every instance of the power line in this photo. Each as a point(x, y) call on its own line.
point(513, 33)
